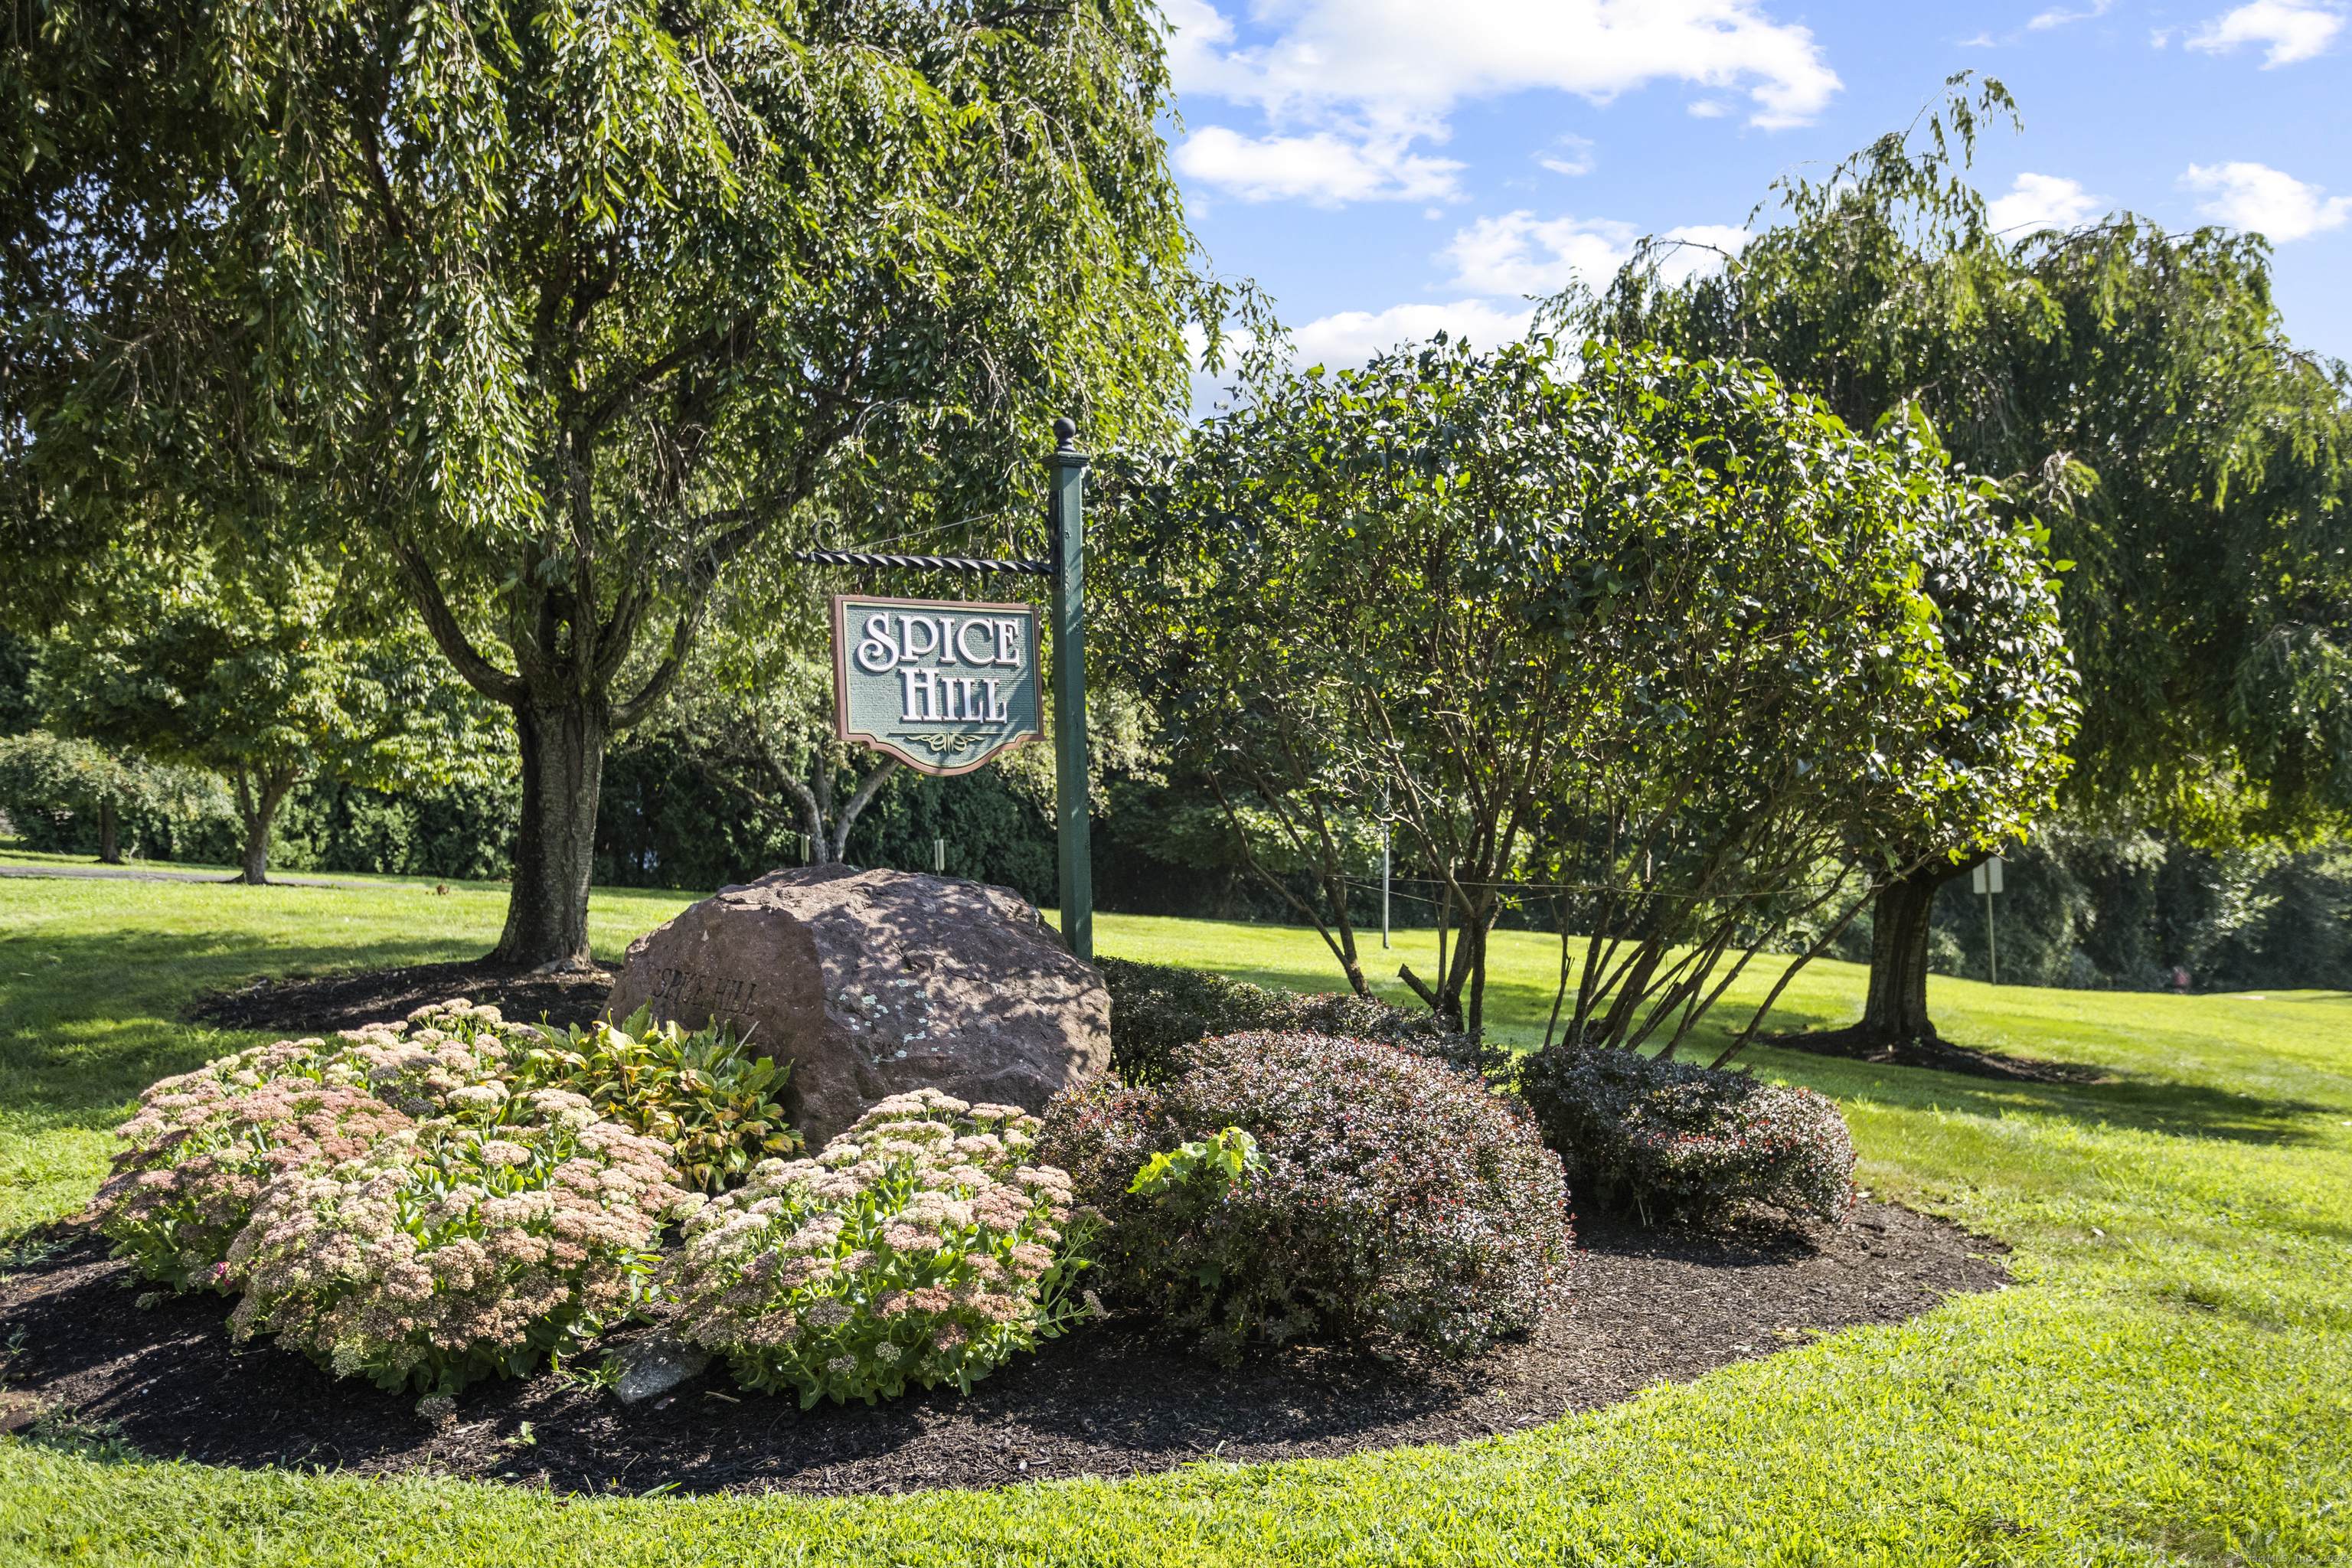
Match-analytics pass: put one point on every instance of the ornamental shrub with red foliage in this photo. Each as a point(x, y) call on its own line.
point(1682, 1142)
point(1393, 1195)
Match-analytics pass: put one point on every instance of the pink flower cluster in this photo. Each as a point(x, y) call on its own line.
point(202, 1152)
point(446, 1253)
point(920, 1245)
point(395, 1203)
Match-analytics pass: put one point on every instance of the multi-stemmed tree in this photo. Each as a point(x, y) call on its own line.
point(550, 313)
point(1659, 630)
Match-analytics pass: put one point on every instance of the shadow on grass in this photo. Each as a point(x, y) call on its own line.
point(90, 1020)
point(2151, 1105)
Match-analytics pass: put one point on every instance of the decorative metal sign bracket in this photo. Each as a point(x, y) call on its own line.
point(920, 563)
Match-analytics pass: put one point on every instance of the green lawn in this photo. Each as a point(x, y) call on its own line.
point(2170, 1380)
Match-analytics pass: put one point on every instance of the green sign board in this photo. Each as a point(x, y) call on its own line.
point(942, 687)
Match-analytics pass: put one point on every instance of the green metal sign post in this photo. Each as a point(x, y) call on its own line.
point(1072, 812)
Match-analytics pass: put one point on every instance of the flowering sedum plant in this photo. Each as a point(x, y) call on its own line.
point(921, 1245)
point(203, 1144)
point(449, 1251)
point(202, 1150)
point(1682, 1143)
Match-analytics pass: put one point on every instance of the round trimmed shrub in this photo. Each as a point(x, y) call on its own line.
point(920, 1245)
point(1158, 1012)
point(1385, 1193)
point(1682, 1143)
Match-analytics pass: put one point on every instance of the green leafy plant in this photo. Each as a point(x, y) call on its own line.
point(1212, 1165)
point(700, 1092)
point(1676, 1141)
point(1378, 1193)
point(920, 1246)
point(97, 1442)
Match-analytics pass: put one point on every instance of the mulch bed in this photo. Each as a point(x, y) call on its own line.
point(1650, 1305)
point(321, 1005)
point(1934, 1052)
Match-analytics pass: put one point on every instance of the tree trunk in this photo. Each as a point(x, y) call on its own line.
point(107, 852)
point(1896, 1012)
point(258, 812)
point(562, 745)
point(1895, 1023)
point(1476, 1020)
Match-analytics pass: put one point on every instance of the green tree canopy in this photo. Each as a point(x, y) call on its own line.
point(551, 313)
point(2132, 390)
point(266, 685)
point(41, 772)
point(1657, 628)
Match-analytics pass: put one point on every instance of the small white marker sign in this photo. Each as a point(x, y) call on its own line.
point(943, 687)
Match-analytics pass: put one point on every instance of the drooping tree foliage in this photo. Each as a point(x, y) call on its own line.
point(2132, 390)
point(550, 313)
point(1657, 634)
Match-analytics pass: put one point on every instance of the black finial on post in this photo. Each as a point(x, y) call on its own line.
point(1065, 431)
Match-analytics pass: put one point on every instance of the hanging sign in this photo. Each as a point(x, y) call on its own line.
point(944, 688)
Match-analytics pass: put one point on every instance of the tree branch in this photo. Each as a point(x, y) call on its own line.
point(477, 672)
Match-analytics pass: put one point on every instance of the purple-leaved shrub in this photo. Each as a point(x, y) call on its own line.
point(1387, 1193)
point(921, 1245)
point(1682, 1143)
point(450, 1251)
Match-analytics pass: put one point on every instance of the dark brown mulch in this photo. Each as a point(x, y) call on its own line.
point(319, 1006)
point(1933, 1052)
point(1649, 1306)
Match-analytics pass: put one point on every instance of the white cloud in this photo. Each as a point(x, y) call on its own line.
point(1574, 157)
point(1322, 168)
point(2058, 17)
point(2042, 201)
point(2294, 30)
point(2255, 196)
point(1521, 254)
point(1351, 337)
point(1382, 74)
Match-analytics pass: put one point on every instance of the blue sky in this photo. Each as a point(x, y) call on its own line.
point(1387, 167)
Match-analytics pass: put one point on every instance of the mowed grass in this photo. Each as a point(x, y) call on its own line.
point(2170, 1379)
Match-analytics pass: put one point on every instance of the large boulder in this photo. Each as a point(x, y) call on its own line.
point(876, 982)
